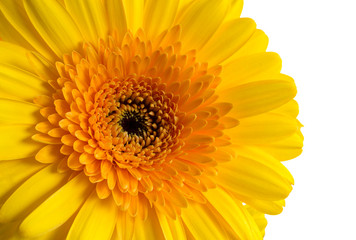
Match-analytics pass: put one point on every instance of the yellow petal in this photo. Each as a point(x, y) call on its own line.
point(14, 55)
point(264, 206)
point(285, 149)
point(201, 222)
point(134, 14)
point(95, 220)
point(16, 142)
point(255, 174)
point(172, 229)
point(58, 208)
point(199, 16)
point(258, 97)
point(55, 25)
point(234, 10)
point(116, 16)
point(125, 225)
point(227, 40)
point(20, 84)
point(9, 34)
point(249, 68)
point(12, 112)
point(256, 44)
point(42, 67)
point(49, 154)
point(32, 192)
point(13, 173)
point(90, 18)
point(263, 129)
point(159, 16)
point(259, 218)
point(291, 109)
point(231, 211)
point(149, 229)
point(15, 14)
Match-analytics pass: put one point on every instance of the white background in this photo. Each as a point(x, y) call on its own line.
point(317, 42)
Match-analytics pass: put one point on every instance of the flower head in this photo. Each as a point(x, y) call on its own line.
point(141, 119)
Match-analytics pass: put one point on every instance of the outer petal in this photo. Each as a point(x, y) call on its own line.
point(90, 18)
point(32, 192)
point(13, 173)
point(259, 97)
point(255, 174)
point(15, 14)
point(201, 222)
point(55, 25)
point(14, 55)
point(134, 14)
point(13, 112)
point(227, 40)
point(16, 142)
point(199, 16)
point(172, 228)
point(125, 226)
point(95, 220)
point(20, 84)
point(263, 129)
point(58, 208)
point(149, 229)
point(117, 16)
point(231, 211)
point(159, 16)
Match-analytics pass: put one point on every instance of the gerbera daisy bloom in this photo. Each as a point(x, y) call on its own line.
point(145, 119)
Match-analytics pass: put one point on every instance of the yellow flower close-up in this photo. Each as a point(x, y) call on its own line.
point(141, 119)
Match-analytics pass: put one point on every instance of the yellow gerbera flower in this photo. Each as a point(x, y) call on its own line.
point(145, 119)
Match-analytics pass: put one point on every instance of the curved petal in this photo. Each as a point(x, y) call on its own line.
point(231, 211)
point(12, 112)
point(227, 40)
point(263, 129)
point(90, 18)
point(20, 84)
point(249, 68)
point(201, 222)
point(134, 14)
point(148, 229)
point(172, 228)
point(16, 142)
point(124, 226)
point(14, 55)
point(255, 174)
point(15, 14)
point(199, 16)
point(31, 193)
point(159, 16)
point(95, 220)
point(58, 208)
point(259, 97)
point(13, 173)
point(234, 10)
point(55, 25)
point(117, 17)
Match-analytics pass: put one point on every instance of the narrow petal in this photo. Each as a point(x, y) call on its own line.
point(15, 14)
point(172, 229)
point(42, 67)
point(20, 84)
point(227, 40)
point(159, 16)
point(231, 211)
point(134, 14)
point(234, 10)
point(259, 218)
point(201, 222)
point(14, 55)
point(16, 142)
point(125, 225)
point(32, 192)
point(58, 208)
point(13, 112)
point(263, 129)
point(95, 220)
point(199, 16)
point(259, 97)
point(90, 18)
point(255, 174)
point(55, 25)
point(149, 229)
point(256, 44)
point(116, 16)
point(13, 173)
point(249, 68)
point(264, 206)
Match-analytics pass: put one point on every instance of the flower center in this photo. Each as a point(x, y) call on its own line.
point(134, 123)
